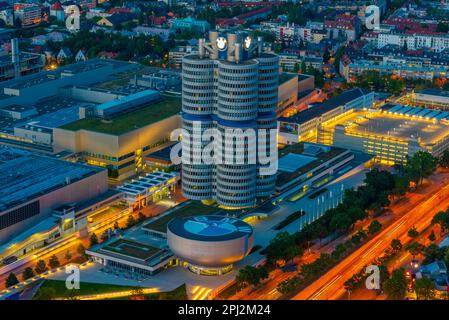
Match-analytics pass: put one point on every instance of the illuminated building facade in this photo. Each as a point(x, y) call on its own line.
point(393, 134)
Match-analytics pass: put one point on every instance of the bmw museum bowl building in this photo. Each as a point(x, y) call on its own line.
point(209, 245)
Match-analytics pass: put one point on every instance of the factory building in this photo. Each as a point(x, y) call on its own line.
point(32, 185)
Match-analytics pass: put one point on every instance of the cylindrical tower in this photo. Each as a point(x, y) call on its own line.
point(266, 120)
point(230, 86)
point(238, 90)
point(197, 108)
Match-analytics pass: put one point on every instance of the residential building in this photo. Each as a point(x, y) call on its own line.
point(190, 24)
point(28, 13)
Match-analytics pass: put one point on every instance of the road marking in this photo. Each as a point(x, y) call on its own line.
point(319, 292)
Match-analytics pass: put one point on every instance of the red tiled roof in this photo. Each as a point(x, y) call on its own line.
point(56, 6)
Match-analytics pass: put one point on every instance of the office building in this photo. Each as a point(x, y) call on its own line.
point(230, 84)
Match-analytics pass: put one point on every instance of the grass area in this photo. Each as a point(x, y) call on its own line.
point(193, 208)
point(132, 249)
point(130, 121)
point(52, 289)
point(180, 293)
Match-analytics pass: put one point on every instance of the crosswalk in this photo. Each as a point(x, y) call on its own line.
point(200, 293)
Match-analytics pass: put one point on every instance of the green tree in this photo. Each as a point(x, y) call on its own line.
point(68, 255)
point(11, 280)
point(81, 250)
point(420, 166)
point(40, 267)
point(432, 236)
point(250, 275)
point(442, 218)
point(396, 286)
point(282, 247)
point(131, 221)
point(374, 227)
point(396, 245)
point(93, 240)
point(413, 233)
point(141, 217)
point(433, 253)
point(444, 159)
point(287, 286)
point(27, 273)
point(401, 184)
point(425, 289)
point(415, 249)
point(53, 262)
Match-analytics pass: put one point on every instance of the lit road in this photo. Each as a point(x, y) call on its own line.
point(331, 285)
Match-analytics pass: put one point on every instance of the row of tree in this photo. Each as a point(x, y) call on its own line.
point(41, 267)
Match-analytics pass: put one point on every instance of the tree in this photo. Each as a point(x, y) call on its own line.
point(442, 218)
point(131, 221)
point(420, 166)
point(444, 159)
point(433, 253)
point(396, 286)
point(41, 267)
point(68, 255)
point(288, 285)
point(374, 227)
point(93, 240)
point(415, 248)
point(27, 273)
point(401, 184)
point(11, 280)
point(53, 262)
point(413, 233)
point(432, 236)
point(250, 275)
point(81, 250)
point(141, 217)
point(282, 247)
point(396, 245)
point(425, 289)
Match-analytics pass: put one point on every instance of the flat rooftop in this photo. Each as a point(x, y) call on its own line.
point(434, 92)
point(309, 158)
point(132, 120)
point(132, 249)
point(25, 175)
point(286, 76)
point(52, 120)
point(190, 209)
point(393, 126)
